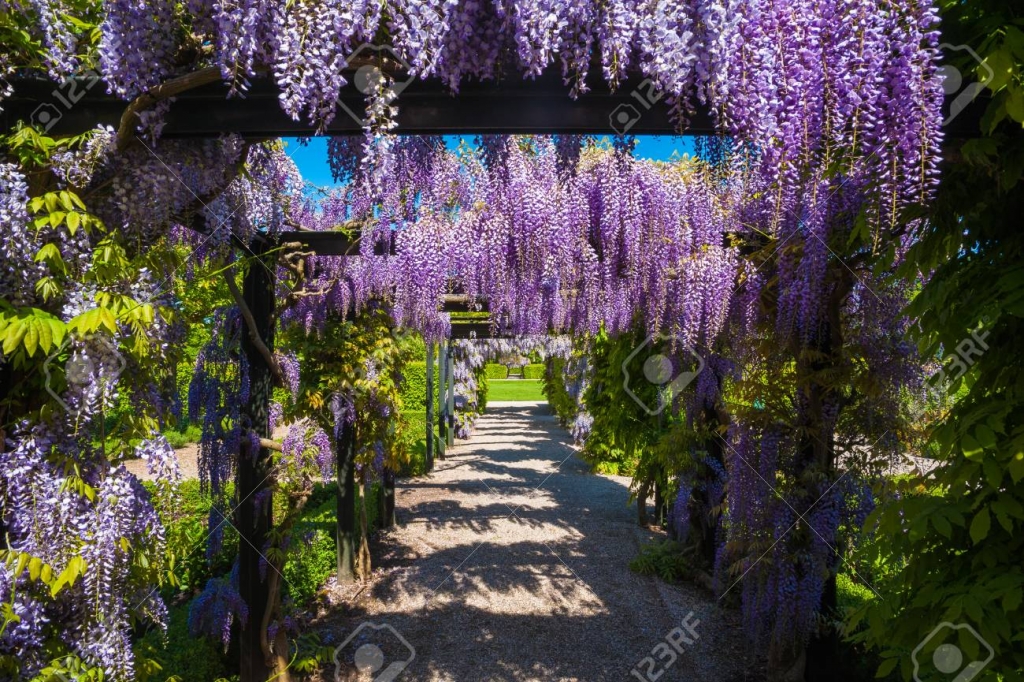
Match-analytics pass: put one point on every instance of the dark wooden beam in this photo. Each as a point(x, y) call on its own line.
point(330, 243)
point(512, 105)
point(459, 303)
point(471, 330)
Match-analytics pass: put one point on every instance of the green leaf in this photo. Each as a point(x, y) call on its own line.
point(942, 525)
point(887, 667)
point(68, 576)
point(13, 334)
point(45, 332)
point(1017, 467)
point(993, 472)
point(980, 525)
point(48, 252)
point(31, 340)
point(1012, 600)
point(74, 221)
point(985, 437)
point(972, 449)
point(91, 320)
point(65, 200)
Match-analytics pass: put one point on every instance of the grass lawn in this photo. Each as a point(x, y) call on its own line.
point(514, 389)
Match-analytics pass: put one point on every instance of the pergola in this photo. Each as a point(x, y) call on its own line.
point(202, 109)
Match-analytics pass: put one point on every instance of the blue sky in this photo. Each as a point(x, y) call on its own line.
point(312, 158)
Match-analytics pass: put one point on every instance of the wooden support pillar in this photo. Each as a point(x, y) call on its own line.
point(659, 503)
point(430, 407)
point(253, 523)
point(387, 498)
point(450, 399)
point(346, 530)
point(442, 417)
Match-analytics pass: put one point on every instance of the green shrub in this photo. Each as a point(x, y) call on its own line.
point(496, 371)
point(186, 525)
point(563, 404)
point(181, 657)
point(851, 595)
point(534, 371)
point(857, 662)
point(179, 438)
point(664, 559)
point(312, 558)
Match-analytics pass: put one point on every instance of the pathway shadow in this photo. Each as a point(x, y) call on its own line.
point(510, 562)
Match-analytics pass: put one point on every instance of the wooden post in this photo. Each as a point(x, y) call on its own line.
point(450, 399)
point(387, 498)
point(659, 502)
point(430, 407)
point(442, 403)
point(253, 523)
point(346, 531)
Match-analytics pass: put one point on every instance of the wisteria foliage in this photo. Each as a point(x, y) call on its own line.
point(555, 236)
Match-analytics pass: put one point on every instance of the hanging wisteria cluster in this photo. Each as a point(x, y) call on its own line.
point(557, 235)
point(467, 368)
point(756, 65)
point(548, 251)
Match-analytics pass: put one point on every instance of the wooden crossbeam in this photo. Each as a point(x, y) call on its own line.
point(509, 106)
point(471, 330)
point(329, 243)
point(459, 303)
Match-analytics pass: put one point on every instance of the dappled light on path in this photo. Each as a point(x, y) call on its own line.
point(510, 562)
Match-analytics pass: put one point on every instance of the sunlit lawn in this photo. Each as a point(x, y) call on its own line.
point(514, 389)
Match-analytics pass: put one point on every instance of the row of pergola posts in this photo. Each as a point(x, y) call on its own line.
point(255, 521)
point(446, 402)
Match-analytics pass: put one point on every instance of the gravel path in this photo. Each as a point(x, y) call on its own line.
point(510, 562)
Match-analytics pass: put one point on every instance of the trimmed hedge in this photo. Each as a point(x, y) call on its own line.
point(414, 388)
point(496, 371)
point(534, 371)
point(416, 443)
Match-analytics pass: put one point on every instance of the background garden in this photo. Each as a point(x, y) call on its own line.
point(799, 342)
